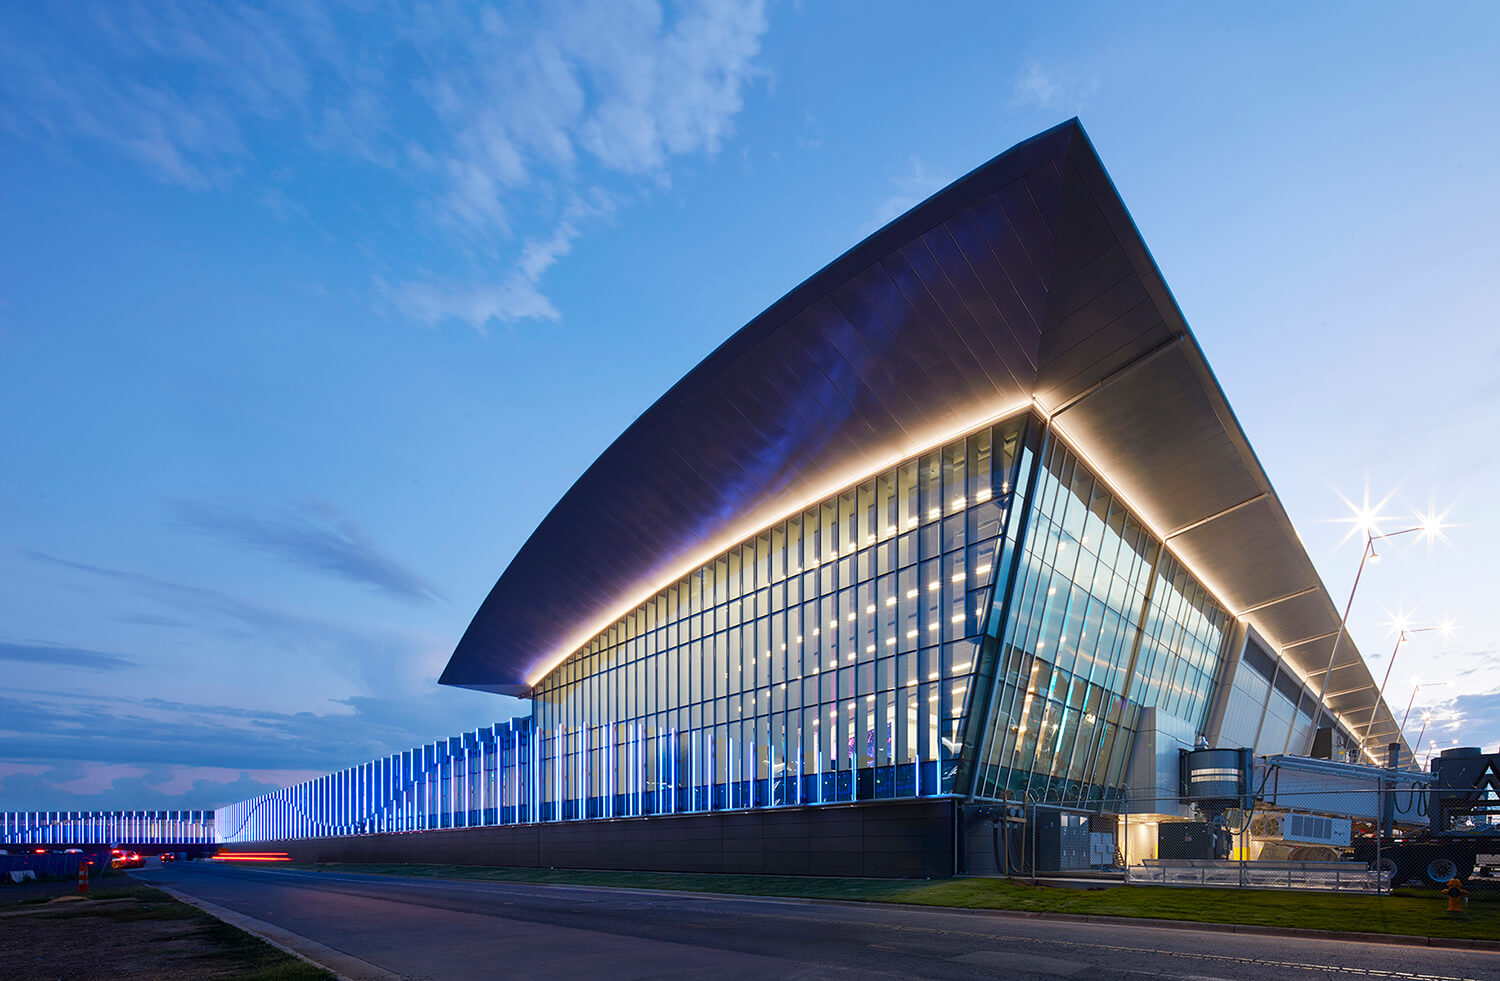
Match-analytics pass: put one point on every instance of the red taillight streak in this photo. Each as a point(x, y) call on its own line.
point(254, 857)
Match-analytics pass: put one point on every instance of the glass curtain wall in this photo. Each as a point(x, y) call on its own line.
point(106, 827)
point(829, 658)
point(484, 777)
point(860, 649)
point(1101, 621)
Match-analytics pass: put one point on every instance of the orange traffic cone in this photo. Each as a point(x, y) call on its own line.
point(83, 878)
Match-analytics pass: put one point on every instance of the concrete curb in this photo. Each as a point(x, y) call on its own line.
point(345, 967)
point(1201, 926)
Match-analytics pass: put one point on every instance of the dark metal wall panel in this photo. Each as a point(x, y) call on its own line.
point(1079, 330)
point(891, 839)
point(1100, 314)
point(1011, 257)
point(993, 295)
point(1110, 348)
point(939, 384)
point(1035, 217)
point(1024, 280)
point(844, 369)
point(911, 270)
point(1086, 244)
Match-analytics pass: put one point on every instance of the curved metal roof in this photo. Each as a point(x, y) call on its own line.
point(1024, 282)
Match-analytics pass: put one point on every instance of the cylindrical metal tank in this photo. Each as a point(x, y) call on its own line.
point(1216, 778)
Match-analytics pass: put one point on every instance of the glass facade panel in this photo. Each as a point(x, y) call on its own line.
point(841, 650)
point(985, 617)
point(1099, 621)
point(106, 828)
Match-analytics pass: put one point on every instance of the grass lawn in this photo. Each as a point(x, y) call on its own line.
point(1416, 912)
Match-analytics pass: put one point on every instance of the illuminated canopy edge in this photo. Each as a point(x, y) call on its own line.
point(1024, 281)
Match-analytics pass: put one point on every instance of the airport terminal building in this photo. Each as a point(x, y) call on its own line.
point(963, 522)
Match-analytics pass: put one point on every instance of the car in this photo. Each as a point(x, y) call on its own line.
point(168, 857)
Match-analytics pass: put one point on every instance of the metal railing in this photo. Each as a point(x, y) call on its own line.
point(1312, 876)
point(1301, 841)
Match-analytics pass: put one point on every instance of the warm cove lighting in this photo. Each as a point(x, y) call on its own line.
point(737, 535)
point(1431, 525)
point(1151, 526)
point(1208, 582)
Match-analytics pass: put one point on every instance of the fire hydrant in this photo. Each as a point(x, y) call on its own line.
point(1455, 892)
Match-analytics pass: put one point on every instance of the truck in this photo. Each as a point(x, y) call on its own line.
point(1462, 835)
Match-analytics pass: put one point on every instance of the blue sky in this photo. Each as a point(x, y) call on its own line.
point(308, 313)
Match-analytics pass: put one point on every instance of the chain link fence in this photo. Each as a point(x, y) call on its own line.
point(1306, 839)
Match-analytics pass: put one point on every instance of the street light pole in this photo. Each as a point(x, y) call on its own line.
point(1402, 635)
point(1426, 718)
point(1413, 699)
point(1370, 539)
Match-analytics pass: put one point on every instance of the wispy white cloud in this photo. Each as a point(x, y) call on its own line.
point(593, 90)
point(111, 750)
point(1035, 88)
point(59, 655)
point(516, 297)
point(492, 121)
point(356, 654)
point(661, 88)
point(274, 200)
point(181, 140)
point(365, 690)
point(908, 190)
point(1040, 88)
point(105, 785)
point(318, 538)
point(513, 299)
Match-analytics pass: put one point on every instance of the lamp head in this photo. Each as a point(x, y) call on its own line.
point(1400, 624)
point(1431, 524)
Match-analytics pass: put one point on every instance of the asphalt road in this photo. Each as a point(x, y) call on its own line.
point(380, 926)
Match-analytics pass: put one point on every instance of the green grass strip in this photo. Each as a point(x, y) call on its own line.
point(1410, 912)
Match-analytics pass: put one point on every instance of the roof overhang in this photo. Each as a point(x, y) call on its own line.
point(1024, 283)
